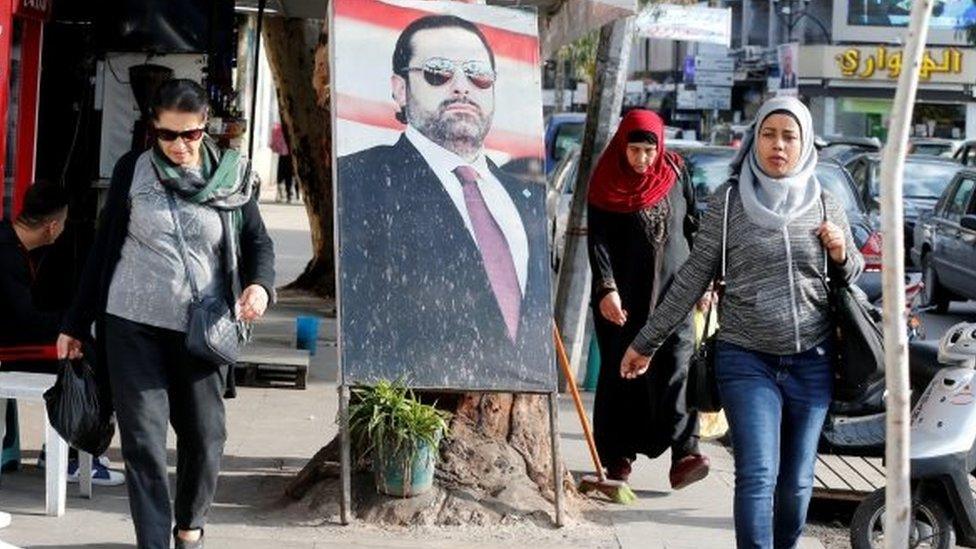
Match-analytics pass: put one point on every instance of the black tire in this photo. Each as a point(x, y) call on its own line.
point(931, 525)
point(933, 294)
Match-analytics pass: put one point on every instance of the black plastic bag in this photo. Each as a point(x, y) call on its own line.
point(75, 410)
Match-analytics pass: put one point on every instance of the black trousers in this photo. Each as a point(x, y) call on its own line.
point(154, 378)
point(649, 414)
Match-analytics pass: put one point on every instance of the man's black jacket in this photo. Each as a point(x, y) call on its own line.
point(21, 322)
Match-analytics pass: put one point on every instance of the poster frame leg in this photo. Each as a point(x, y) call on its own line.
point(345, 466)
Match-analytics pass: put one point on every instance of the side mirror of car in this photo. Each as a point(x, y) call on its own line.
point(968, 222)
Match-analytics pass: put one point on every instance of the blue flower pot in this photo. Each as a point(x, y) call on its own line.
point(404, 473)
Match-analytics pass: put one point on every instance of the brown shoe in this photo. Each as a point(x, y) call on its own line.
point(688, 470)
point(619, 469)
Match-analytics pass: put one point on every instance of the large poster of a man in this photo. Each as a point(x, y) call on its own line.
point(444, 279)
point(788, 54)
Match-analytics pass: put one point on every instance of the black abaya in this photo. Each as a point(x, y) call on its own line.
point(628, 251)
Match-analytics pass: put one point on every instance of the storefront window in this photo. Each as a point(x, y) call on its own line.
point(933, 120)
point(862, 117)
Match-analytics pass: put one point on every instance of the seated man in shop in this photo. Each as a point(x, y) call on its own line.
point(39, 224)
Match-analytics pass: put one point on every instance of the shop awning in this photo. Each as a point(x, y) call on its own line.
point(563, 21)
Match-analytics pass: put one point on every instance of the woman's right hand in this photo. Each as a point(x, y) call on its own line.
point(612, 310)
point(68, 347)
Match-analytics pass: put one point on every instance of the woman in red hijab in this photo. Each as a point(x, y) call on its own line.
point(641, 220)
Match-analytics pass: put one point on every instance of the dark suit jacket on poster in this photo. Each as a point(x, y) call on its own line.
point(415, 301)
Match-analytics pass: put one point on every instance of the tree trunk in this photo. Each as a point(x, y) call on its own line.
point(297, 52)
point(560, 83)
point(495, 466)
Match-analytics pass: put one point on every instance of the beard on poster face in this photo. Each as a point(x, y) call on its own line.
point(456, 122)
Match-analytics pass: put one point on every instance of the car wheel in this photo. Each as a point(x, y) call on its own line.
point(933, 294)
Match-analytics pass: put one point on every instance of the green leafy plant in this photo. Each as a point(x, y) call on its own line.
point(388, 416)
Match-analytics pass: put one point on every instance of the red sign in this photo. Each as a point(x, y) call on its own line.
point(33, 9)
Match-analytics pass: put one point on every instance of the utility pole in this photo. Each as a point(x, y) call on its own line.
point(898, 514)
point(603, 114)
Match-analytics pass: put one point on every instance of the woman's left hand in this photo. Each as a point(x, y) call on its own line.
point(834, 241)
point(252, 303)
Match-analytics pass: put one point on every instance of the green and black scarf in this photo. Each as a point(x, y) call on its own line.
point(223, 183)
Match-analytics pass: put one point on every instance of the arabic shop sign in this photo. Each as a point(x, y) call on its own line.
point(883, 64)
point(861, 63)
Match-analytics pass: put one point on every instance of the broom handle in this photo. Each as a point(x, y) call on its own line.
point(564, 364)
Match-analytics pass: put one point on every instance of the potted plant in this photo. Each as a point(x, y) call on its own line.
point(400, 434)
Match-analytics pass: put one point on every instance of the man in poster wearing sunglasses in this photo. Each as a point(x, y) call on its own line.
point(444, 280)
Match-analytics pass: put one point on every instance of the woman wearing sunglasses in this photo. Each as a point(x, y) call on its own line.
point(641, 218)
point(137, 287)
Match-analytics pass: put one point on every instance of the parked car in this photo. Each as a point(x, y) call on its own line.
point(966, 153)
point(945, 244)
point(934, 146)
point(837, 146)
point(559, 198)
point(563, 132)
point(924, 180)
point(728, 135)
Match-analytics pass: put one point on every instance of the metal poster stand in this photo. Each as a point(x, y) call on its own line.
point(345, 466)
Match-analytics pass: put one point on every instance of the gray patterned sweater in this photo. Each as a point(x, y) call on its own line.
point(149, 285)
point(775, 301)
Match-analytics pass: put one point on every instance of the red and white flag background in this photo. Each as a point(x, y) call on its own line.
point(364, 36)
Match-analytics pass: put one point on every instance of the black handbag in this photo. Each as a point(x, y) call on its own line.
point(76, 410)
point(859, 362)
point(213, 333)
point(702, 392)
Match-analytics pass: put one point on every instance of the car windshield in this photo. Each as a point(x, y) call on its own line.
point(568, 136)
point(923, 179)
point(932, 149)
point(709, 169)
point(833, 179)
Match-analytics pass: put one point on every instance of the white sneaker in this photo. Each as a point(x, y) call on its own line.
point(4, 519)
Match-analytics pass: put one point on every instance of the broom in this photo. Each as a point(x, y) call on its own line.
point(616, 490)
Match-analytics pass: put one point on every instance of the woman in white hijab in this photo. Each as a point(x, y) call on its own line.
point(786, 241)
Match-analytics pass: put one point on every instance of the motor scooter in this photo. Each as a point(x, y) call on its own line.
point(943, 456)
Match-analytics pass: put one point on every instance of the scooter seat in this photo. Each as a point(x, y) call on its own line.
point(858, 436)
point(923, 363)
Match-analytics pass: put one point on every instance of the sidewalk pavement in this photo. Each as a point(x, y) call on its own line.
point(273, 432)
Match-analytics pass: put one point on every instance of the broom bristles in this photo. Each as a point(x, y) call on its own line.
point(615, 490)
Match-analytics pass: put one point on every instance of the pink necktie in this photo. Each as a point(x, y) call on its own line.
point(495, 253)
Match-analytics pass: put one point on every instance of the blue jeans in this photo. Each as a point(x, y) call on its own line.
point(776, 407)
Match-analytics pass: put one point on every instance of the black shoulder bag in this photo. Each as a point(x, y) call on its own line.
point(702, 393)
point(213, 333)
point(859, 364)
